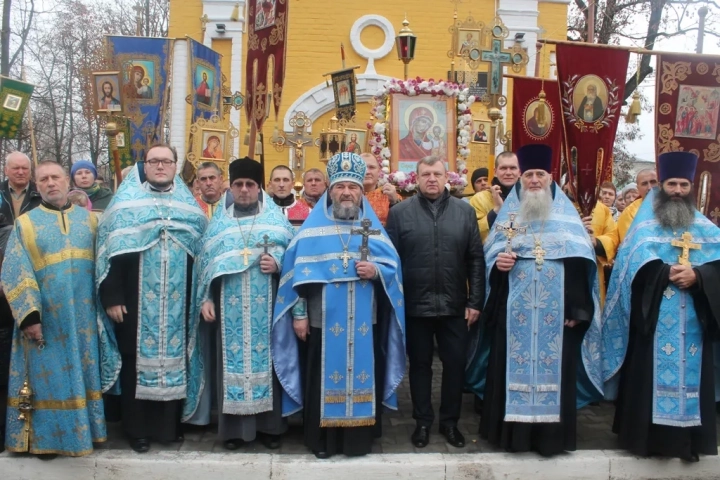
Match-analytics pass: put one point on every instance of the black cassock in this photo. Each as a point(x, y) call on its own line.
point(633, 414)
point(545, 438)
point(140, 418)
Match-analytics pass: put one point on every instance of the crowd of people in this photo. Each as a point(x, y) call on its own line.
point(160, 307)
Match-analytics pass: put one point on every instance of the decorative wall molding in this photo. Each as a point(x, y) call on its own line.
point(372, 54)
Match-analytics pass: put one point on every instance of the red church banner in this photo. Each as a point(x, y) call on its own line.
point(687, 104)
point(267, 35)
point(535, 120)
point(591, 81)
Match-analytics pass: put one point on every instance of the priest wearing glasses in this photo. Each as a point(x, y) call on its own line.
point(147, 243)
point(341, 293)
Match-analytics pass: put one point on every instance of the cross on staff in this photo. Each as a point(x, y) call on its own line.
point(365, 231)
point(510, 230)
point(265, 244)
point(686, 244)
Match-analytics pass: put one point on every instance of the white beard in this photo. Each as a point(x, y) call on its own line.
point(535, 205)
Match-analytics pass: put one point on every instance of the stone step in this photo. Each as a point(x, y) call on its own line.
point(124, 465)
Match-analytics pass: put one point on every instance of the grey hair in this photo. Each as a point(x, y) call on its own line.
point(429, 161)
point(17, 153)
point(212, 165)
point(503, 155)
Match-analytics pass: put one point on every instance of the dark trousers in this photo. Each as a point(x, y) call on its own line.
point(452, 337)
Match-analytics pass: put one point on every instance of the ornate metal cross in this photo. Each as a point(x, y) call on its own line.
point(345, 257)
point(365, 231)
point(265, 244)
point(686, 244)
point(498, 58)
point(510, 230)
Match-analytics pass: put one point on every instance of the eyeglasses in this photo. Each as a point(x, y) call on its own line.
point(157, 161)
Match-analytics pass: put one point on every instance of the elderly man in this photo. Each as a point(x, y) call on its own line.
point(147, 242)
point(238, 270)
point(84, 175)
point(487, 203)
point(543, 297)
point(341, 292)
point(437, 238)
point(661, 315)
point(18, 191)
point(380, 198)
point(281, 192)
point(479, 180)
point(314, 186)
point(209, 179)
point(48, 279)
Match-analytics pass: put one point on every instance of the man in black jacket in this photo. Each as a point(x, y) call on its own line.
point(18, 192)
point(443, 267)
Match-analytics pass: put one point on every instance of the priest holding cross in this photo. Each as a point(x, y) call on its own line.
point(661, 315)
point(341, 294)
point(241, 255)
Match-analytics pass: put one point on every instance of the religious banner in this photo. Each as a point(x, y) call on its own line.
point(343, 83)
point(591, 82)
point(267, 34)
point(687, 109)
point(14, 100)
point(536, 117)
point(205, 81)
point(143, 64)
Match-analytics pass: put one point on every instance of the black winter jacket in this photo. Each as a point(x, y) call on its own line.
point(32, 199)
point(442, 256)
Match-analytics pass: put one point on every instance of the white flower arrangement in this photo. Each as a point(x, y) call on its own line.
point(378, 138)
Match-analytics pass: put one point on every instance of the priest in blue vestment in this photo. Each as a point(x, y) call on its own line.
point(541, 313)
point(147, 241)
point(340, 292)
point(237, 271)
point(48, 278)
point(661, 316)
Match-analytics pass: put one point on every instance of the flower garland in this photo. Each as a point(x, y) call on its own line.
point(378, 139)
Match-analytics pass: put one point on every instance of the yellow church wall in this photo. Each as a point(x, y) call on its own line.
point(316, 30)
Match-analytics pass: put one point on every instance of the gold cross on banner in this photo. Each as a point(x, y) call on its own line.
point(539, 255)
point(686, 244)
point(510, 230)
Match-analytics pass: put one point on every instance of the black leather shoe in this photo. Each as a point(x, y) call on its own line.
point(453, 436)
point(321, 455)
point(270, 441)
point(421, 436)
point(140, 445)
point(180, 438)
point(232, 444)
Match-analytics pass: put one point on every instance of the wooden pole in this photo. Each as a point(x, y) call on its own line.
point(591, 22)
point(33, 145)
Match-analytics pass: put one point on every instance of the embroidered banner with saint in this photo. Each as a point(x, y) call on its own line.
point(205, 81)
point(144, 66)
point(14, 100)
point(267, 34)
point(591, 80)
point(536, 121)
point(687, 109)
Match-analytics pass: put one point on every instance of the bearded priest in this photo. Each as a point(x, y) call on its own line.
point(661, 313)
point(341, 293)
point(542, 302)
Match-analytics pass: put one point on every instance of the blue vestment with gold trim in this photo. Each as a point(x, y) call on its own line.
point(315, 256)
point(49, 269)
point(245, 316)
point(164, 227)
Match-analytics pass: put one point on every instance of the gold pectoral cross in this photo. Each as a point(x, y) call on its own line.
point(686, 244)
point(345, 257)
point(245, 252)
point(539, 255)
